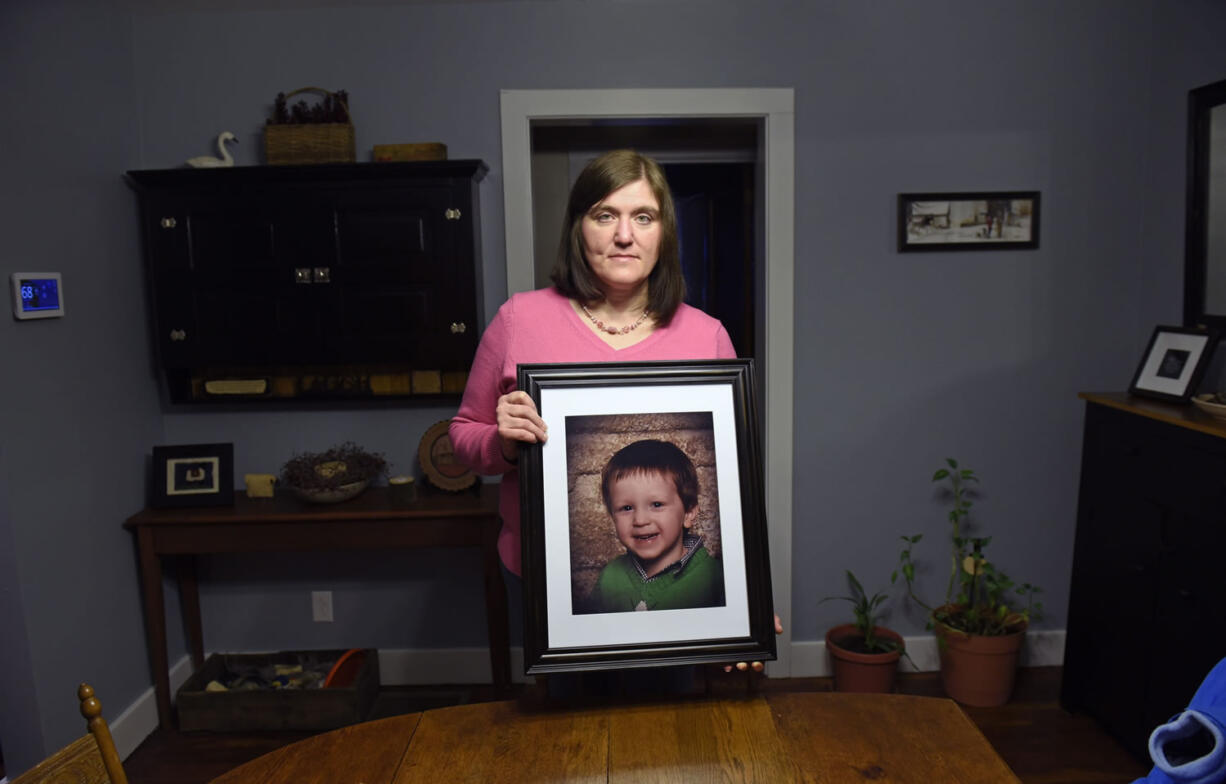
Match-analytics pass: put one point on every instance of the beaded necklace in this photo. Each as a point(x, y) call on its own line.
point(613, 330)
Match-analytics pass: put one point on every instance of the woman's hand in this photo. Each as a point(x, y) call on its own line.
point(756, 666)
point(518, 421)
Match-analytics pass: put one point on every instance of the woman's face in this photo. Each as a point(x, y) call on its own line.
point(621, 237)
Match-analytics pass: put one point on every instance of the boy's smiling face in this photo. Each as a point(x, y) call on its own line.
point(650, 518)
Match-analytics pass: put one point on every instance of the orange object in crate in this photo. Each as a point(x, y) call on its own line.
point(346, 669)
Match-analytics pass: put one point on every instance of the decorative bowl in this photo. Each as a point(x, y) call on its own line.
point(1207, 402)
point(334, 495)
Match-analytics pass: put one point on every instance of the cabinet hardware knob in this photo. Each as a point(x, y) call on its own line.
point(458, 327)
point(323, 274)
point(178, 334)
point(451, 214)
point(302, 275)
point(168, 223)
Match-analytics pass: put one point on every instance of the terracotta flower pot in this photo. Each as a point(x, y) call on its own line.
point(978, 670)
point(862, 672)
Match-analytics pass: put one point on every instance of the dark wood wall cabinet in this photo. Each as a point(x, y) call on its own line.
point(346, 281)
point(1147, 605)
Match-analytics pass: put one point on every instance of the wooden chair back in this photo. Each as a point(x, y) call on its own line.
point(90, 759)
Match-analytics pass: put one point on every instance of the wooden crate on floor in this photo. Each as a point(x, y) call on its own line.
point(276, 709)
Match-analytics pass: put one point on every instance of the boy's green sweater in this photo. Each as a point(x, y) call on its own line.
point(697, 581)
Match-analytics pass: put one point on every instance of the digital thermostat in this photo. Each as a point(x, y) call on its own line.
point(37, 295)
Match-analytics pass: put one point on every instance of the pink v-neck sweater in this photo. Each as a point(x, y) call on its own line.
point(541, 326)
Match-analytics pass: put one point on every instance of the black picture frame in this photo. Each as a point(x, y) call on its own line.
point(1174, 361)
point(973, 220)
point(708, 410)
point(192, 475)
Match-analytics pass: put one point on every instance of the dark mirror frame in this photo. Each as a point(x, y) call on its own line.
point(1201, 102)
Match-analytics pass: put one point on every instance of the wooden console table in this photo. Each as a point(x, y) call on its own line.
point(373, 521)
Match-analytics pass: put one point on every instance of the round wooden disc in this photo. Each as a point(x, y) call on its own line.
point(438, 462)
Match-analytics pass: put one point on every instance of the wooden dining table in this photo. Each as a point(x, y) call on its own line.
point(792, 737)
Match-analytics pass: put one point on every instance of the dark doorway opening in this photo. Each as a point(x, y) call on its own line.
point(715, 224)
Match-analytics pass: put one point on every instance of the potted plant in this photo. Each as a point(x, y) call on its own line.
point(863, 656)
point(979, 626)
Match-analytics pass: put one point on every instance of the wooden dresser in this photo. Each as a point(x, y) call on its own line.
point(1147, 604)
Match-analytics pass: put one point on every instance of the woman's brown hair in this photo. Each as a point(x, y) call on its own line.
point(571, 274)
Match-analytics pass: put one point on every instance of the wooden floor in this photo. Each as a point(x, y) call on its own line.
point(1041, 742)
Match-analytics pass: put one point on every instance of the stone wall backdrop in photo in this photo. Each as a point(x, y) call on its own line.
point(590, 442)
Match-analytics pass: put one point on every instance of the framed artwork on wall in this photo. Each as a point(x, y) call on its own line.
point(192, 475)
point(1173, 363)
point(985, 220)
point(644, 531)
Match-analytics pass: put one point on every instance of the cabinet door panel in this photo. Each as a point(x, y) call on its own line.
point(1189, 631)
point(1114, 584)
point(396, 237)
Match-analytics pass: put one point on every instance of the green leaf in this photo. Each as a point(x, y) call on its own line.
point(939, 475)
point(952, 463)
point(855, 584)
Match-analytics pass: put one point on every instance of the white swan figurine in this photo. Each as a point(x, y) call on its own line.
point(208, 161)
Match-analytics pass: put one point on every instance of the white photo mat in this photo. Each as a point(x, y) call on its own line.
point(568, 629)
point(1167, 345)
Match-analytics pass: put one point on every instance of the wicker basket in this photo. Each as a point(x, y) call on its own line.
point(299, 143)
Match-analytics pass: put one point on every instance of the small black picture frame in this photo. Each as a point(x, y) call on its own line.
point(979, 220)
point(705, 413)
point(1173, 363)
point(192, 475)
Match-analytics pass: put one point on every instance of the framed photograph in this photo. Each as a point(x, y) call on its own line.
point(643, 522)
point(192, 475)
point(1173, 363)
point(989, 220)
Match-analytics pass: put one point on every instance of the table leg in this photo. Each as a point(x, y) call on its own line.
point(155, 620)
point(189, 598)
point(496, 610)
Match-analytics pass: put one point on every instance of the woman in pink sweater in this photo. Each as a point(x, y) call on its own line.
point(617, 297)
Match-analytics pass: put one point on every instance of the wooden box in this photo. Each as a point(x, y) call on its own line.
point(421, 151)
point(276, 709)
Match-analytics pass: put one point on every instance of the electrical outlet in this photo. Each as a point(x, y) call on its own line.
point(321, 606)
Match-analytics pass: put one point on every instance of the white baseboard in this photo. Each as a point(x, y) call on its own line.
point(425, 667)
point(1042, 648)
point(138, 721)
point(428, 667)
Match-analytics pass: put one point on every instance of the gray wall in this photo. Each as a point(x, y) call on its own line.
point(78, 404)
point(900, 361)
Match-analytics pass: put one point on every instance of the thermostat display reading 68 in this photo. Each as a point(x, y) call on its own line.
point(37, 295)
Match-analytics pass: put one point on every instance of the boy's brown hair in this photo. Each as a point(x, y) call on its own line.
point(652, 456)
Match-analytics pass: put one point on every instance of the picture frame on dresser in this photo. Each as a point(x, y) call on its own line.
point(592, 600)
point(1173, 363)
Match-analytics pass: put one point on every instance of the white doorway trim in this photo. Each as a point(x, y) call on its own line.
point(775, 107)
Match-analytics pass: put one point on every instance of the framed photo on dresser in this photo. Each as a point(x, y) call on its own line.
point(1173, 363)
point(643, 522)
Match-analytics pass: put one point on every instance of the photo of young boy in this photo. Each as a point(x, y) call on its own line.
point(650, 491)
